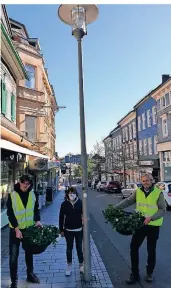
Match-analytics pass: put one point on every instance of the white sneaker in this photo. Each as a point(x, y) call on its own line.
point(82, 269)
point(68, 271)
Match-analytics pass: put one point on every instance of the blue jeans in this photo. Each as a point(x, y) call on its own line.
point(14, 245)
point(78, 236)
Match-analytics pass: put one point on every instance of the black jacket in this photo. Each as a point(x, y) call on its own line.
point(24, 198)
point(70, 216)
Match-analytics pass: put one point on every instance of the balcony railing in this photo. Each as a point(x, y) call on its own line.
point(30, 94)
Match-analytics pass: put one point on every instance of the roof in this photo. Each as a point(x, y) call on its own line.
point(125, 116)
point(20, 25)
point(150, 93)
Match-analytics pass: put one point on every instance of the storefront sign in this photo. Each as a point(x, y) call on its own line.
point(53, 164)
point(167, 164)
point(7, 155)
point(146, 163)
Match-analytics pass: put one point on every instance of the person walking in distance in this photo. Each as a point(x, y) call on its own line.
point(70, 225)
point(22, 211)
point(150, 201)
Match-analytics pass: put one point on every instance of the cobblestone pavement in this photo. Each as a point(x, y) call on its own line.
point(50, 265)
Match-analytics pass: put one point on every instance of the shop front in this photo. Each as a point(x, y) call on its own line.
point(167, 165)
point(150, 166)
point(13, 165)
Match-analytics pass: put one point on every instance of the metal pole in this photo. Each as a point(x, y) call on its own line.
point(86, 232)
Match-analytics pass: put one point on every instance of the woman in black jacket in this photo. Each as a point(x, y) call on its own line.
point(70, 225)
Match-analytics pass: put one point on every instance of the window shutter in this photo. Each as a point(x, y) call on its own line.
point(3, 98)
point(13, 107)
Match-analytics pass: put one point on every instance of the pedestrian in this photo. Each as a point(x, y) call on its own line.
point(150, 201)
point(22, 211)
point(71, 227)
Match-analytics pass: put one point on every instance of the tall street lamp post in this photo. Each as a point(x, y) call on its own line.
point(78, 16)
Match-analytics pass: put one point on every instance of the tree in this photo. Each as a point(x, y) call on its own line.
point(121, 159)
point(77, 171)
point(98, 159)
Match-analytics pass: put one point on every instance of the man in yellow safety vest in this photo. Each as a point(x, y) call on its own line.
point(150, 201)
point(22, 211)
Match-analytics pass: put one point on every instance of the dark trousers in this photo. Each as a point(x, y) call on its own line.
point(152, 234)
point(78, 236)
point(14, 245)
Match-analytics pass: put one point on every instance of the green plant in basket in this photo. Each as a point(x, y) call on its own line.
point(125, 223)
point(41, 236)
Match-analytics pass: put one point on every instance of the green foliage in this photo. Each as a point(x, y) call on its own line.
point(78, 171)
point(123, 222)
point(45, 235)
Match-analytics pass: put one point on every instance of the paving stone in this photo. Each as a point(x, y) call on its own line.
point(50, 266)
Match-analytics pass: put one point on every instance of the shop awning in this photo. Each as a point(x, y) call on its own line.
point(4, 144)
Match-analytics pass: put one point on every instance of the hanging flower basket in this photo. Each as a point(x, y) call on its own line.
point(37, 239)
point(125, 223)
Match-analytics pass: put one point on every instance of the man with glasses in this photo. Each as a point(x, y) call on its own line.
point(23, 212)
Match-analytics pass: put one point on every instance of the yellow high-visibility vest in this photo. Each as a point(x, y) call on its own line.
point(148, 205)
point(24, 216)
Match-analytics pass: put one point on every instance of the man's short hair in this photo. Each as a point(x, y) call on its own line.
point(26, 177)
point(147, 175)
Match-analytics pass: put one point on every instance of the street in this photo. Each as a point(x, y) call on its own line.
point(114, 248)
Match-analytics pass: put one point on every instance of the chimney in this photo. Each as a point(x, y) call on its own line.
point(165, 77)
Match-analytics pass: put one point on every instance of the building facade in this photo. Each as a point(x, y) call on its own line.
point(36, 105)
point(162, 95)
point(129, 147)
point(15, 146)
point(148, 159)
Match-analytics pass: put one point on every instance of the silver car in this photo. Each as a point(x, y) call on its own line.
point(130, 189)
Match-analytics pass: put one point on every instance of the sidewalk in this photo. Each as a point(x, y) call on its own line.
point(50, 265)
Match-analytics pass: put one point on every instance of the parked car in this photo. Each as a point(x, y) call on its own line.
point(130, 189)
point(165, 187)
point(112, 187)
point(100, 185)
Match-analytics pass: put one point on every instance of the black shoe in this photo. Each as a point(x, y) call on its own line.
point(32, 278)
point(133, 279)
point(14, 284)
point(149, 278)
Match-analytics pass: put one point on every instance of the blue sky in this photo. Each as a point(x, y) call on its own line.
point(125, 53)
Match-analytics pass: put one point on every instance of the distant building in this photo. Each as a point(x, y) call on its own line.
point(148, 158)
point(74, 159)
point(162, 95)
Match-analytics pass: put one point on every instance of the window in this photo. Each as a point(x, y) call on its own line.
point(140, 147)
point(3, 98)
point(134, 130)
point(149, 118)
point(139, 123)
point(130, 132)
point(135, 149)
point(155, 144)
point(120, 141)
point(126, 133)
point(13, 107)
point(30, 126)
point(131, 150)
point(150, 151)
point(123, 133)
point(158, 105)
point(143, 121)
point(31, 73)
point(154, 114)
point(163, 102)
point(145, 146)
point(168, 102)
point(164, 127)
